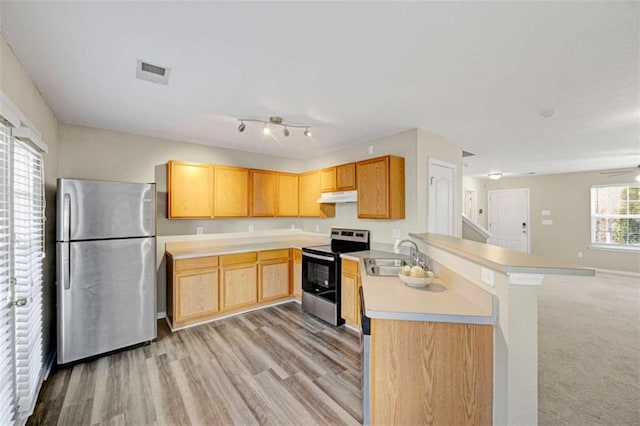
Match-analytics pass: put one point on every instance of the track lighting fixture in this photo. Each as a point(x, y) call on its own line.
point(274, 121)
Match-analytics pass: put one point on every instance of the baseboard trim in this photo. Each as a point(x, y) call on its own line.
point(617, 272)
point(160, 315)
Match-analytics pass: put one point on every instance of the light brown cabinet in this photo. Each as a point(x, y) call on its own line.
point(309, 190)
point(380, 183)
point(350, 300)
point(192, 289)
point(189, 190)
point(273, 275)
point(296, 266)
point(263, 191)
point(346, 177)
point(230, 191)
point(239, 281)
point(328, 179)
point(287, 204)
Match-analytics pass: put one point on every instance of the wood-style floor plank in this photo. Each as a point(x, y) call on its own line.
point(272, 366)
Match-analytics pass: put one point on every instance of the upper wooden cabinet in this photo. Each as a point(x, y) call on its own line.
point(309, 190)
point(346, 177)
point(230, 191)
point(263, 190)
point(189, 190)
point(287, 204)
point(380, 186)
point(328, 179)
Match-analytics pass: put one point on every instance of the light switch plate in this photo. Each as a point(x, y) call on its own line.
point(250, 228)
point(487, 276)
point(199, 230)
point(396, 233)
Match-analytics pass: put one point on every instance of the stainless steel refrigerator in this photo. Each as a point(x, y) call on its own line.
point(106, 266)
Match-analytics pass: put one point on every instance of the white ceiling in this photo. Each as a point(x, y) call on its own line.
point(476, 73)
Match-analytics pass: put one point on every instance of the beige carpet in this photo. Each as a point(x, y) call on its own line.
point(589, 350)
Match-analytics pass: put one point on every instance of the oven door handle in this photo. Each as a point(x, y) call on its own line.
point(317, 256)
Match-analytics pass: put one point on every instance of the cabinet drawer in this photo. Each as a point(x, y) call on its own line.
point(196, 263)
point(273, 254)
point(234, 259)
point(350, 267)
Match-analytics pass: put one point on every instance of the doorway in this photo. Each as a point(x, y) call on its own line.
point(441, 219)
point(509, 219)
point(471, 205)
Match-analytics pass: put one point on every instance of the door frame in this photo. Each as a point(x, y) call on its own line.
point(474, 204)
point(489, 206)
point(457, 225)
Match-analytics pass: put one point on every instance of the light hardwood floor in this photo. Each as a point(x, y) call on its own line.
point(273, 366)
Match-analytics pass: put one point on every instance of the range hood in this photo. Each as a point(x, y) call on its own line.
point(338, 197)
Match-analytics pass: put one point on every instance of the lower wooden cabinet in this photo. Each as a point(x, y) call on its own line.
point(239, 282)
point(350, 302)
point(192, 289)
point(203, 288)
point(296, 273)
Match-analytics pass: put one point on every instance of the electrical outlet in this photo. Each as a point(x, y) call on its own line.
point(395, 233)
point(293, 227)
point(250, 228)
point(199, 230)
point(317, 228)
point(486, 275)
point(371, 149)
point(580, 254)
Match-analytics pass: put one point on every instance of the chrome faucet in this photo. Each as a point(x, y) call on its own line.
point(418, 258)
point(414, 255)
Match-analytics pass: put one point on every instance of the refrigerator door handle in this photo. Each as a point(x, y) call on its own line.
point(66, 217)
point(66, 267)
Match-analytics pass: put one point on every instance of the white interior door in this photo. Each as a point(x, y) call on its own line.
point(509, 219)
point(441, 198)
point(471, 205)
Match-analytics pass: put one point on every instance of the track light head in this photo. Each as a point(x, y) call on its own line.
point(307, 133)
point(241, 127)
point(286, 131)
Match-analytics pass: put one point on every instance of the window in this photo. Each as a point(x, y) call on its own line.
point(21, 279)
point(615, 216)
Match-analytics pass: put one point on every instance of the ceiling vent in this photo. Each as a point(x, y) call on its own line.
point(153, 73)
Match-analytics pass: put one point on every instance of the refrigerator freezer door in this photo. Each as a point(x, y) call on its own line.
point(108, 299)
point(93, 210)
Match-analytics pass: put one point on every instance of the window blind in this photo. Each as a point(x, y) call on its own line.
point(7, 403)
point(28, 252)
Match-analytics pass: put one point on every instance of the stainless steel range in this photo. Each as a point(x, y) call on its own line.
point(321, 272)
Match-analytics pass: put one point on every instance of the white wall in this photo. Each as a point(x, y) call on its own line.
point(18, 86)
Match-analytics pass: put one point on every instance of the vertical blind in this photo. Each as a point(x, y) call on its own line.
point(28, 236)
point(7, 406)
point(21, 253)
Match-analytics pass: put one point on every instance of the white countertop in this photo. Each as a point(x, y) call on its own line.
point(202, 248)
point(500, 258)
point(390, 298)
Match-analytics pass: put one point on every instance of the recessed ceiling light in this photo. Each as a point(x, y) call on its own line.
point(547, 113)
point(495, 176)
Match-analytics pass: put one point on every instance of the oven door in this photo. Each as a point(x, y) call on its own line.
point(320, 275)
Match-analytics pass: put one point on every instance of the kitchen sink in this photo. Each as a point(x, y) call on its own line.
point(384, 267)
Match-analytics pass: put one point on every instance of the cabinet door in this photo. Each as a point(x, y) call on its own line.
point(297, 273)
point(189, 190)
point(231, 189)
point(346, 177)
point(274, 279)
point(373, 188)
point(328, 180)
point(196, 294)
point(349, 296)
point(263, 193)
point(239, 286)
point(309, 190)
point(287, 195)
